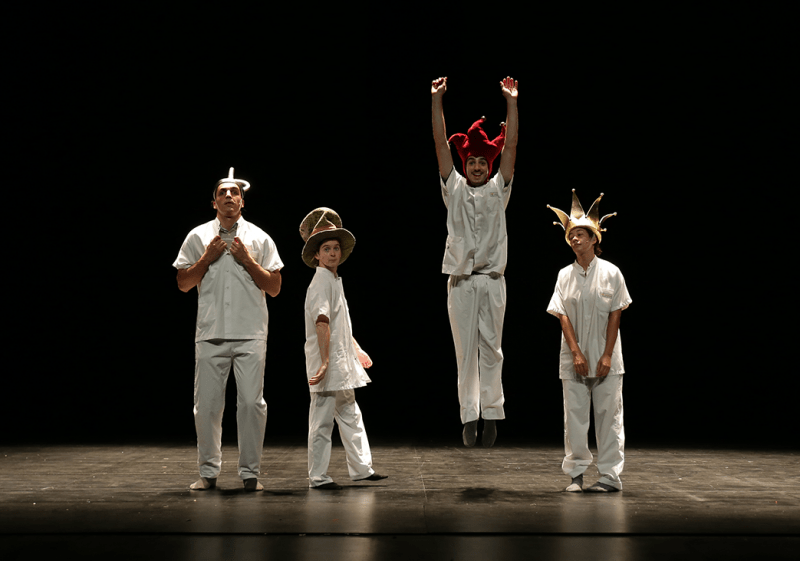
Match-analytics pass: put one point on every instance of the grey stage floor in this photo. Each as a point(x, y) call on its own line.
point(440, 502)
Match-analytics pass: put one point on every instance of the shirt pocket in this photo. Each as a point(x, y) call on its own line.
point(604, 297)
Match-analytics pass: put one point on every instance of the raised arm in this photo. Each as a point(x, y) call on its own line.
point(438, 87)
point(508, 156)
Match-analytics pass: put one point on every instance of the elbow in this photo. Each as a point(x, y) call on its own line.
point(273, 287)
point(183, 286)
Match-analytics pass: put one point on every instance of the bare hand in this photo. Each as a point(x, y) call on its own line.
point(239, 251)
point(214, 249)
point(363, 358)
point(319, 376)
point(604, 366)
point(580, 364)
point(439, 86)
point(509, 86)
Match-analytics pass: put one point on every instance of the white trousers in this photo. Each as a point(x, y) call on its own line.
point(213, 362)
point(605, 394)
point(476, 305)
point(339, 405)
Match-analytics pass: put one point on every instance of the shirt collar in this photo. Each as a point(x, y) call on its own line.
point(240, 224)
point(328, 272)
point(589, 269)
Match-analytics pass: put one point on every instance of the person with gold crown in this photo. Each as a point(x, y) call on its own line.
point(233, 264)
point(335, 362)
point(588, 300)
point(475, 256)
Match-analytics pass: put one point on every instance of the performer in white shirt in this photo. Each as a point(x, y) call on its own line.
point(335, 362)
point(588, 300)
point(475, 257)
point(233, 263)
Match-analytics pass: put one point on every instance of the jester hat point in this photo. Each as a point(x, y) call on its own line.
point(578, 219)
point(476, 143)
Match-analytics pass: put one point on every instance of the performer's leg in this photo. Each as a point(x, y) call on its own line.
point(463, 311)
point(354, 435)
point(609, 429)
point(249, 359)
point(577, 402)
point(320, 426)
point(212, 365)
point(492, 309)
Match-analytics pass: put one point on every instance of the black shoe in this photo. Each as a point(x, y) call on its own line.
point(602, 488)
point(470, 434)
point(252, 485)
point(332, 486)
point(489, 433)
point(373, 477)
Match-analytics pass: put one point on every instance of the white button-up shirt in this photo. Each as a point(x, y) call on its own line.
point(325, 297)
point(476, 225)
point(229, 303)
point(587, 298)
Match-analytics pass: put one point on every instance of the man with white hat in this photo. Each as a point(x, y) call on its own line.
point(335, 362)
point(588, 300)
point(233, 263)
point(475, 257)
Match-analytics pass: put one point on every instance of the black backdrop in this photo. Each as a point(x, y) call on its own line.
point(685, 129)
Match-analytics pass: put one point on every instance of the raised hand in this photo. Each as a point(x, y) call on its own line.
point(439, 86)
point(509, 87)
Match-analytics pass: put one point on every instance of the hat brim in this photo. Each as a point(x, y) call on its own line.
point(572, 225)
point(346, 239)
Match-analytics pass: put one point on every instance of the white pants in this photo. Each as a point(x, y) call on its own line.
point(476, 305)
point(213, 361)
point(605, 394)
point(325, 407)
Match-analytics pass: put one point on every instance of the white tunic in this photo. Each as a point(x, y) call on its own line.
point(230, 305)
point(587, 298)
point(325, 296)
point(476, 225)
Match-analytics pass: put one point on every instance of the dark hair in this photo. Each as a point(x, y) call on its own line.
point(319, 245)
point(597, 250)
point(216, 189)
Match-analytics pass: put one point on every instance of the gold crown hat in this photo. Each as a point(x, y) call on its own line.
point(243, 185)
point(577, 218)
point(323, 224)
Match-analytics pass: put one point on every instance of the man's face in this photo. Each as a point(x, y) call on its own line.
point(228, 201)
point(582, 241)
point(477, 170)
point(329, 254)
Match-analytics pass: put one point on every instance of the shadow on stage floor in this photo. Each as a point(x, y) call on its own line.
point(440, 502)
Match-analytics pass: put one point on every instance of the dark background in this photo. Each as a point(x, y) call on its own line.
point(682, 120)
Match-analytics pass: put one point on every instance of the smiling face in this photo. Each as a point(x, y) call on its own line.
point(329, 254)
point(477, 169)
point(228, 200)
